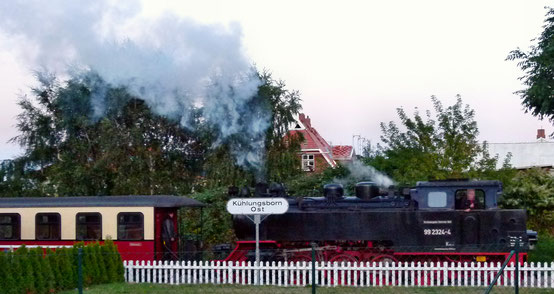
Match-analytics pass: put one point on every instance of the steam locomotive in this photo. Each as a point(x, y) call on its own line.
point(426, 223)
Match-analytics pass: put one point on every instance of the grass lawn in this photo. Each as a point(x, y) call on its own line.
point(151, 288)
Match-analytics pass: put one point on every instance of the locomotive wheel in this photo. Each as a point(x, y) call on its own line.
point(297, 277)
point(300, 258)
point(354, 275)
point(426, 281)
point(384, 259)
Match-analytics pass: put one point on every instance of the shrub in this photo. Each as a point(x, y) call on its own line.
point(33, 271)
point(35, 256)
point(99, 259)
point(26, 270)
point(53, 263)
point(7, 282)
point(110, 261)
point(533, 190)
point(47, 273)
point(544, 251)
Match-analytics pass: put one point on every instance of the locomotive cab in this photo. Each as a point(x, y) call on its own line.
point(453, 195)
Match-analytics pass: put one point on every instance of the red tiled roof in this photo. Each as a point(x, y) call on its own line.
point(343, 152)
point(313, 141)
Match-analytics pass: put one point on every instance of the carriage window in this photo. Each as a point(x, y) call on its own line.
point(130, 226)
point(463, 202)
point(48, 226)
point(436, 199)
point(89, 226)
point(9, 226)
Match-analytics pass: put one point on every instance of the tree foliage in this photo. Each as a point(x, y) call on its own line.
point(533, 190)
point(281, 158)
point(69, 150)
point(434, 146)
point(538, 67)
point(32, 271)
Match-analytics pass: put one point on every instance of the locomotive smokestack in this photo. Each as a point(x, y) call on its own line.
point(333, 192)
point(261, 189)
point(366, 190)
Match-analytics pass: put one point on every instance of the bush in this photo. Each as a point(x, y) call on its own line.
point(26, 270)
point(7, 282)
point(35, 256)
point(32, 271)
point(533, 190)
point(544, 251)
point(65, 267)
point(53, 263)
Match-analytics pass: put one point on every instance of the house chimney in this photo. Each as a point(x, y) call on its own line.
point(305, 120)
point(541, 134)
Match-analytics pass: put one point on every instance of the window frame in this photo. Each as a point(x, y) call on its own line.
point(77, 226)
point(308, 164)
point(478, 191)
point(118, 224)
point(18, 226)
point(37, 225)
point(437, 192)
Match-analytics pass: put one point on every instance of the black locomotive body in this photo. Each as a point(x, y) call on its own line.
point(431, 222)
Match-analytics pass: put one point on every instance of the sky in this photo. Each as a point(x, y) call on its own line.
point(355, 62)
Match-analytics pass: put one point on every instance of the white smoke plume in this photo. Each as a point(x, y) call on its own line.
point(361, 172)
point(173, 63)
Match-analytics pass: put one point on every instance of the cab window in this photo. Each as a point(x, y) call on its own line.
point(9, 226)
point(130, 226)
point(463, 200)
point(89, 226)
point(48, 226)
point(437, 199)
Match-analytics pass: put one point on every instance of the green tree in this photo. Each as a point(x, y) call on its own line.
point(69, 151)
point(66, 268)
point(280, 158)
point(110, 261)
point(26, 269)
point(54, 264)
point(308, 184)
point(7, 281)
point(131, 150)
point(35, 256)
point(538, 67)
point(533, 190)
point(439, 146)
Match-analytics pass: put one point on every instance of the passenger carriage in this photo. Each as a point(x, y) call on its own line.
point(134, 223)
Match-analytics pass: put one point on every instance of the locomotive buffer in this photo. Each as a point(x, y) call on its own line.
point(257, 209)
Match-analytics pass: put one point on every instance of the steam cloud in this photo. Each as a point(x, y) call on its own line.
point(172, 63)
point(361, 172)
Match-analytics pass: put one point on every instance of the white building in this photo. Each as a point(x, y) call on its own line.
point(539, 153)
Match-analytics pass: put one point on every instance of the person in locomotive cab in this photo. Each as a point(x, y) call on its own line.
point(168, 237)
point(469, 202)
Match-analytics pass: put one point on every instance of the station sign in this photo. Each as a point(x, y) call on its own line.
point(275, 205)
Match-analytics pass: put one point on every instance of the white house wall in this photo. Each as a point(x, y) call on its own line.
point(524, 155)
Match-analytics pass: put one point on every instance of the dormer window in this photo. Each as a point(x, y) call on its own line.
point(308, 162)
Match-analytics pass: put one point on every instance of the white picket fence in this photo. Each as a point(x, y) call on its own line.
point(338, 274)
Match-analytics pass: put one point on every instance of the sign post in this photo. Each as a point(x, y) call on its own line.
point(254, 209)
